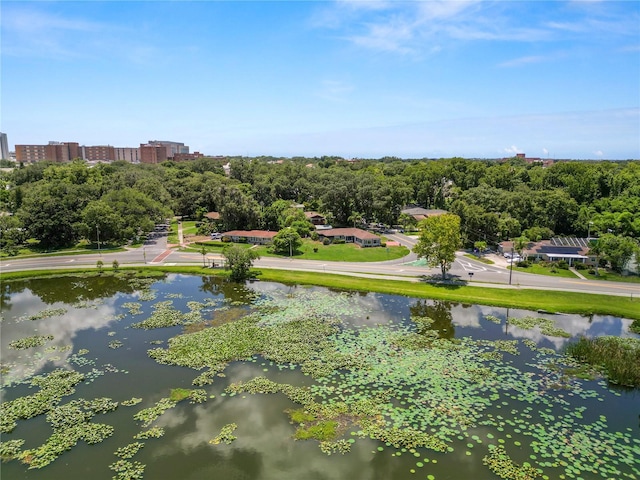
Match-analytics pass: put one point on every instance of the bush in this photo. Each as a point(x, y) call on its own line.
point(326, 241)
point(580, 266)
point(315, 249)
point(339, 241)
point(563, 265)
point(314, 236)
point(523, 264)
point(383, 244)
point(592, 271)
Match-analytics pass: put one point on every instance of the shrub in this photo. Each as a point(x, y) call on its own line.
point(563, 265)
point(339, 241)
point(383, 244)
point(315, 249)
point(580, 266)
point(326, 241)
point(314, 236)
point(523, 264)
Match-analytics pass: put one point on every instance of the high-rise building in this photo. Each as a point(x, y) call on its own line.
point(4, 146)
point(100, 153)
point(153, 153)
point(128, 154)
point(53, 151)
point(172, 147)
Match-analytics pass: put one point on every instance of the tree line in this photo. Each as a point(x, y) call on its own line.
point(56, 205)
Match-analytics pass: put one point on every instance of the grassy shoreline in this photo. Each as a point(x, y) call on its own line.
point(523, 298)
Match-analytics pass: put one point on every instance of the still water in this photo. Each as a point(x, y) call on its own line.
point(85, 324)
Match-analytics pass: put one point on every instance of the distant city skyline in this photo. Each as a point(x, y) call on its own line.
point(475, 79)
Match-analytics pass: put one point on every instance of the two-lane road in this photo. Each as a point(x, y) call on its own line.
point(155, 252)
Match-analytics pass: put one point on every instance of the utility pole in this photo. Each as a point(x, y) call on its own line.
point(511, 269)
point(98, 235)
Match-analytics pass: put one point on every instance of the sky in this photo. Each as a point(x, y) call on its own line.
point(358, 79)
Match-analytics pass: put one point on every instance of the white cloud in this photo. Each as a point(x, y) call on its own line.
point(512, 150)
point(598, 153)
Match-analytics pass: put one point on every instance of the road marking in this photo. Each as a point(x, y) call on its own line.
point(69, 261)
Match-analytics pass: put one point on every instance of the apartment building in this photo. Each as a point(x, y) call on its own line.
point(99, 153)
point(53, 151)
point(127, 154)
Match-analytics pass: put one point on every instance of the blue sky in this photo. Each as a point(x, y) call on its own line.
point(556, 79)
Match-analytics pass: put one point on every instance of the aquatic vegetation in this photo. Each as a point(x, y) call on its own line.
point(196, 395)
point(129, 451)
point(164, 315)
point(635, 326)
point(148, 415)
point(127, 470)
point(47, 313)
point(225, 435)
point(153, 432)
point(10, 449)
point(499, 463)
point(53, 387)
point(547, 326)
point(617, 358)
point(29, 342)
point(493, 318)
point(323, 430)
point(130, 403)
point(71, 423)
point(115, 344)
point(134, 308)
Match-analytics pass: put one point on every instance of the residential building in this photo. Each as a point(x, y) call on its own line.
point(420, 213)
point(258, 237)
point(4, 146)
point(569, 249)
point(53, 151)
point(315, 218)
point(351, 235)
point(100, 153)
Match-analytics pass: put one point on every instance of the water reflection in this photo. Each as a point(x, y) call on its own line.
point(264, 448)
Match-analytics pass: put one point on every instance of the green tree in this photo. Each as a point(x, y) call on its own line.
point(287, 241)
point(239, 260)
point(617, 250)
point(520, 243)
point(438, 241)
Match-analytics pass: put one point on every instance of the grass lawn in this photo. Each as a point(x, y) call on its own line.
point(479, 259)
point(189, 227)
point(346, 252)
point(544, 270)
point(611, 276)
point(173, 232)
point(80, 249)
point(566, 302)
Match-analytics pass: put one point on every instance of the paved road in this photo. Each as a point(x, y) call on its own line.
point(155, 252)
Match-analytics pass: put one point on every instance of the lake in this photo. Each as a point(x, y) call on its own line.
point(190, 377)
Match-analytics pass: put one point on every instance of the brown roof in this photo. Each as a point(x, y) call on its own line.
point(349, 232)
point(250, 233)
point(313, 214)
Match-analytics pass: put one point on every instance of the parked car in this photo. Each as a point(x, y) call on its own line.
point(216, 236)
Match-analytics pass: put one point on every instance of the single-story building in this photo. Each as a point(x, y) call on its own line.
point(570, 249)
point(420, 213)
point(257, 237)
point(352, 235)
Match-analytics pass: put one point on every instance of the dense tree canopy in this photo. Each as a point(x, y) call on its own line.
point(59, 204)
